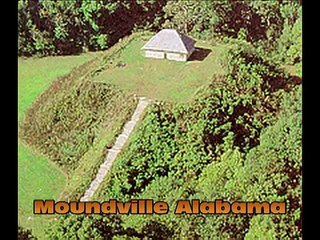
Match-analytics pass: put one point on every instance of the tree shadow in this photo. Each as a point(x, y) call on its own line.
point(199, 54)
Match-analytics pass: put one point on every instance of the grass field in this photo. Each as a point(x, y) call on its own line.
point(163, 79)
point(37, 177)
point(35, 75)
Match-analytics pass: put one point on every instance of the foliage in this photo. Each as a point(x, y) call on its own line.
point(275, 166)
point(38, 178)
point(79, 180)
point(64, 122)
point(284, 41)
point(60, 28)
point(270, 172)
point(261, 227)
point(24, 234)
point(290, 42)
point(70, 27)
point(237, 140)
point(189, 16)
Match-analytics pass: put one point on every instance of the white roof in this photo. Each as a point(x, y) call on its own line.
point(169, 40)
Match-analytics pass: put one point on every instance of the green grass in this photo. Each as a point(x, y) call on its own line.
point(35, 75)
point(37, 177)
point(156, 79)
point(89, 164)
point(162, 79)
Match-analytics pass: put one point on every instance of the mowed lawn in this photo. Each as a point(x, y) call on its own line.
point(37, 177)
point(163, 79)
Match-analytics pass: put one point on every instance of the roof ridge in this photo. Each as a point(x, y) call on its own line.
point(181, 41)
point(168, 40)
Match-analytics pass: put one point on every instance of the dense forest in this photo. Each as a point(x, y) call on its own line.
point(71, 27)
point(241, 141)
point(239, 138)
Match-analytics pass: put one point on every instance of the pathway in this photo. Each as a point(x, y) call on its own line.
point(118, 145)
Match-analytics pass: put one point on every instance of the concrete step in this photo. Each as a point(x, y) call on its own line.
point(113, 152)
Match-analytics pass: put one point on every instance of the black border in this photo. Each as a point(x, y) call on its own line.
point(309, 113)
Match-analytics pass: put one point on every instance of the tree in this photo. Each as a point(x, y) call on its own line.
point(71, 27)
point(195, 17)
point(275, 168)
point(25, 234)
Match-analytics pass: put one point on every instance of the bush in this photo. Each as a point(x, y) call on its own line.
point(69, 27)
point(25, 234)
point(64, 122)
point(237, 140)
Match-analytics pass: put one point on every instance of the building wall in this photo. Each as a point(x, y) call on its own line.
point(166, 55)
point(154, 54)
point(177, 56)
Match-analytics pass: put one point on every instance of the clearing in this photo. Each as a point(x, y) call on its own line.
point(163, 79)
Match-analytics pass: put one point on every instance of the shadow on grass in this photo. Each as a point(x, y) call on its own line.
point(199, 54)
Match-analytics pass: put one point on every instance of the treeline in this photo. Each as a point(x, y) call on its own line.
point(239, 140)
point(71, 27)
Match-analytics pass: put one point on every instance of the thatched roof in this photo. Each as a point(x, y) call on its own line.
point(171, 41)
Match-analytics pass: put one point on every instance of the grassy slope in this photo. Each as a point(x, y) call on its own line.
point(35, 75)
point(37, 177)
point(157, 79)
point(162, 79)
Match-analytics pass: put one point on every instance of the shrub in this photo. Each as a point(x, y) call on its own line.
point(64, 122)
